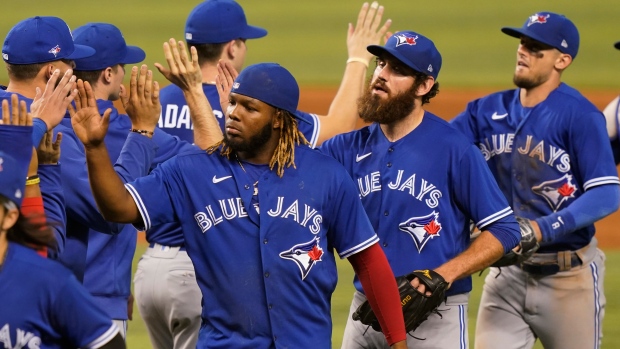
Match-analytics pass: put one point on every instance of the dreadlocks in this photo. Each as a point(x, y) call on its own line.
point(284, 155)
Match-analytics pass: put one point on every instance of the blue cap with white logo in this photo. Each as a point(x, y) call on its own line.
point(272, 84)
point(551, 29)
point(40, 40)
point(110, 45)
point(219, 21)
point(414, 50)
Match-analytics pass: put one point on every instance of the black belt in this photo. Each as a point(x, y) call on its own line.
point(549, 268)
point(181, 248)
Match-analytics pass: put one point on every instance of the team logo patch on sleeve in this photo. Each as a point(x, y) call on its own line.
point(557, 191)
point(406, 39)
point(538, 19)
point(305, 255)
point(422, 229)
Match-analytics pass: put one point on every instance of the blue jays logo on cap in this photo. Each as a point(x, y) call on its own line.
point(414, 50)
point(422, 229)
point(551, 29)
point(538, 19)
point(406, 39)
point(305, 255)
point(55, 50)
point(557, 191)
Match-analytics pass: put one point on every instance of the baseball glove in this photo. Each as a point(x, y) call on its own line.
point(416, 306)
point(527, 246)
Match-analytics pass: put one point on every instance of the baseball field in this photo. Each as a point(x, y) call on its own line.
point(309, 37)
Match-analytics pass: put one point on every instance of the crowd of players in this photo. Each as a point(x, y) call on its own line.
point(245, 200)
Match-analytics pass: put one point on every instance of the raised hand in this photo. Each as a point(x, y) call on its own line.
point(366, 32)
point(49, 150)
point(51, 105)
point(182, 71)
point(142, 104)
point(89, 126)
point(226, 75)
point(17, 115)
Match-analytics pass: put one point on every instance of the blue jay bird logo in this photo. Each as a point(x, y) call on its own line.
point(305, 255)
point(422, 229)
point(557, 191)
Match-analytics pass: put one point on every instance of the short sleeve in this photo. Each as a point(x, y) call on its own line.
point(310, 129)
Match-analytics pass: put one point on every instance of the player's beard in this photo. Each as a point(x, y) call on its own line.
point(372, 108)
point(252, 145)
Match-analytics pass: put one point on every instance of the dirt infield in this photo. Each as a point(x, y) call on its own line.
point(448, 104)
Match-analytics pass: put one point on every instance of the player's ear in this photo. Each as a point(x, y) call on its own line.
point(10, 218)
point(425, 86)
point(563, 61)
point(48, 70)
point(106, 74)
point(277, 119)
point(231, 49)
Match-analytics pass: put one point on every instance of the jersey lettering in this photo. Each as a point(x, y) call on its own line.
point(23, 339)
point(293, 211)
point(549, 154)
point(173, 118)
point(422, 189)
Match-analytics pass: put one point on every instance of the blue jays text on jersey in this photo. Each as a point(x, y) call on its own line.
point(542, 157)
point(420, 192)
point(286, 262)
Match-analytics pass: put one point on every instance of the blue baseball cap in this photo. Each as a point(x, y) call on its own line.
point(272, 84)
point(219, 21)
point(414, 50)
point(15, 154)
point(110, 45)
point(42, 39)
point(551, 29)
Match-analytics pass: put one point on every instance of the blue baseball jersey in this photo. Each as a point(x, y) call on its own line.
point(44, 306)
point(544, 157)
point(97, 251)
point(263, 285)
point(421, 192)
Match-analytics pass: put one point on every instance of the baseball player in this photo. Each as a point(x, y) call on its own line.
point(547, 148)
point(171, 314)
point(421, 182)
point(612, 115)
point(261, 215)
point(99, 252)
point(41, 312)
point(35, 50)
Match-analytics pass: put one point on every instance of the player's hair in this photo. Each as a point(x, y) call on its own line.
point(92, 76)
point(26, 72)
point(209, 53)
point(419, 80)
point(31, 230)
point(284, 155)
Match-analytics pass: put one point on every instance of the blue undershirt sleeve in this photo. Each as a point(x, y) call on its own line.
point(39, 127)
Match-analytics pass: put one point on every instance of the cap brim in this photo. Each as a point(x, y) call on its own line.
point(378, 50)
point(617, 45)
point(519, 32)
point(134, 55)
point(81, 51)
point(252, 32)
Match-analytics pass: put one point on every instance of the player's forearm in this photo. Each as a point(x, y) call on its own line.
point(485, 250)
point(113, 201)
point(206, 128)
point(342, 115)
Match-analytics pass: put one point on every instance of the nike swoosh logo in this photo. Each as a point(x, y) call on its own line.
point(360, 158)
point(217, 180)
point(496, 116)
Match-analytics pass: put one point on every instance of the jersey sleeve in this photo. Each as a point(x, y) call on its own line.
point(594, 159)
point(477, 191)
point(155, 195)
point(80, 320)
point(169, 146)
point(54, 202)
point(310, 130)
point(466, 121)
point(350, 230)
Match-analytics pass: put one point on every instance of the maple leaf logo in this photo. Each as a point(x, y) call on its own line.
point(566, 189)
point(432, 227)
point(315, 253)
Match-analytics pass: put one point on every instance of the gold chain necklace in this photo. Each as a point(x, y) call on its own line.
point(246, 172)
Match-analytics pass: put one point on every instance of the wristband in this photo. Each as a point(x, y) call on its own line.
point(142, 132)
point(358, 59)
point(32, 180)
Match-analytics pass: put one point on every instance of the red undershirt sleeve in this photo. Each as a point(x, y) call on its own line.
point(375, 274)
point(33, 206)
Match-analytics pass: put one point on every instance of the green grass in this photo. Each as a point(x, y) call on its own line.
point(138, 338)
point(309, 37)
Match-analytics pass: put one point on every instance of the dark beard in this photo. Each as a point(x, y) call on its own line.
point(372, 109)
point(254, 144)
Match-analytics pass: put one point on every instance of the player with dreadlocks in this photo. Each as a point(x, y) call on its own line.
point(266, 274)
